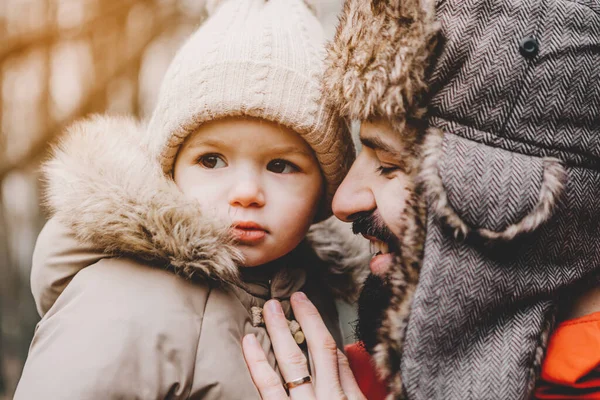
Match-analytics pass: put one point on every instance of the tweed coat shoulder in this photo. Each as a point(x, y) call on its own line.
point(140, 291)
point(516, 92)
point(509, 168)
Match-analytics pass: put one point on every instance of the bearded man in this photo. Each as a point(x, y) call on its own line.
point(477, 186)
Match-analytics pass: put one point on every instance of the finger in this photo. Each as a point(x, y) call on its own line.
point(264, 377)
point(349, 384)
point(321, 346)
point(292, 362)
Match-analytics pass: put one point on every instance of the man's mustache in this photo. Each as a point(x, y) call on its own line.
point(371, 224)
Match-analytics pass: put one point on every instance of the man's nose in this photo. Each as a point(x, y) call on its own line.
point(354, 196)
point(247, 191)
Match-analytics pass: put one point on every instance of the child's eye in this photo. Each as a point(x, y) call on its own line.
point(212, 161)
point(282, 167)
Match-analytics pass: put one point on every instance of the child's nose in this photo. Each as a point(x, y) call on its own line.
point(247, 192)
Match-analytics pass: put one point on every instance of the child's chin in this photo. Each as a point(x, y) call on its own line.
point(254, 258)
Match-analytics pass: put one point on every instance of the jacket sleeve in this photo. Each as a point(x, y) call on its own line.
point(120, 330)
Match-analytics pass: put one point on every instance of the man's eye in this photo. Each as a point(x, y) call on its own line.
point(282, 167)
point(212, 161)
point(383, 170)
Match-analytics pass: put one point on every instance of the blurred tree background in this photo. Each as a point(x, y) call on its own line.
point(59, 61)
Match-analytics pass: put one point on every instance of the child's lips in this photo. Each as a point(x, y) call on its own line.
point(248, 232)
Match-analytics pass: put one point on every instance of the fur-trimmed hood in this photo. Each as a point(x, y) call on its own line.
point(103, 185)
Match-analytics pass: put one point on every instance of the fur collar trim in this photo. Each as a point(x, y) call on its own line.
point(103, 184)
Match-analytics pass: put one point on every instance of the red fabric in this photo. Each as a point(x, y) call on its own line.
point(364, 372)
point(571, 369)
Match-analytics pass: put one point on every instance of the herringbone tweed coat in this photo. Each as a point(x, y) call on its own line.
point(511, 174)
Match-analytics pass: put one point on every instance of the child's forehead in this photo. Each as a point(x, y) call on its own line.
point(259, 136)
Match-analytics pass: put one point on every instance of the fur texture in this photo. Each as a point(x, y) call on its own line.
point(403, 278)
point(347, 255)
point(106, 187)
point(377, 63)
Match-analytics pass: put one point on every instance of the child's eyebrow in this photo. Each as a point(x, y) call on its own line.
point(222, 144)
point(208, 142)
point(289, 149)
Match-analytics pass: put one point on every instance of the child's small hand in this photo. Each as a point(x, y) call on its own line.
point(333, 380)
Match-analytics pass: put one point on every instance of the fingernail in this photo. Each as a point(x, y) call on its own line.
point(300, 296)
point(274, 307)
point(251, 339)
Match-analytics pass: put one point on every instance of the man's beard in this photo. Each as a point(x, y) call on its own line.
point(374, 300)
point(376, 295)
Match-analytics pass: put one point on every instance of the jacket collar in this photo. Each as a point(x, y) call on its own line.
point(276, 280)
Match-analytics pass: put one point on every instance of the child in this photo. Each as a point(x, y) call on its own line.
point(239, 158)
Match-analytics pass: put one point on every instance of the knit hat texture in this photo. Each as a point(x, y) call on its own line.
point(256, 58)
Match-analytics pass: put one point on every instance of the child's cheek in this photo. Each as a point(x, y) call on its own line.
point(196, 184)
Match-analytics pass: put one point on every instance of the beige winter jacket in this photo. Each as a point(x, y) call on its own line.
point(124, 324)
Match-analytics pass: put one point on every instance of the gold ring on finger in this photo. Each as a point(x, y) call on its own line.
point(297, 382)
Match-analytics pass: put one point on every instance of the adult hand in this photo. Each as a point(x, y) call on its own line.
point(332, 377)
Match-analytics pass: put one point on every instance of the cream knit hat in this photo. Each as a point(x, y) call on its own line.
point(257, 58)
